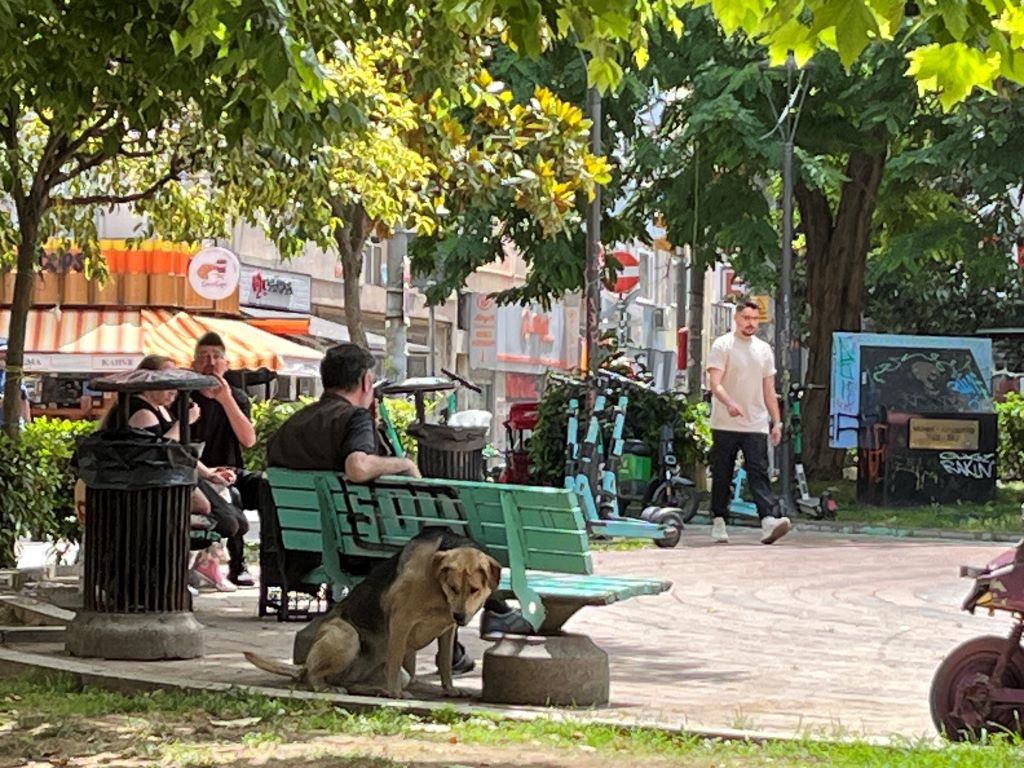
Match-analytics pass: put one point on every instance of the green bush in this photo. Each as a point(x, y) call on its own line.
point(267, 416)
point(403, 413)
point(646, 413)
point(37, 484)
point(1011, 437)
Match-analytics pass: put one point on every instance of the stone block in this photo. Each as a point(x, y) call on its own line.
point(147, 636)
point(559, 670)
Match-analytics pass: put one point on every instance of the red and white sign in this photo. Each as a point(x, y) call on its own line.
point(214, 273)
point(628, 276)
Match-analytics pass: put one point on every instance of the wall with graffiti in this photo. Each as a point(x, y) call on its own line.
point(919, 410)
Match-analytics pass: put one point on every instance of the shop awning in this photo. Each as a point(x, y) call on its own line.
point(288, 323)
point(92, 341)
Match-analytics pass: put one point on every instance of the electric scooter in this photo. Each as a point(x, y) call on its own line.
point(591, 469)
point(824, 506)
point(979, 688)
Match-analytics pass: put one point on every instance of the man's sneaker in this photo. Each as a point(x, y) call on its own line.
point(493, 624)
point(462, 662)
point(774, 528)
point(718, 532)
point(242, 578)
point(209, 574)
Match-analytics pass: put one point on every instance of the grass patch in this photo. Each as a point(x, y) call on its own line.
point(184, 728)
point(1001, 515)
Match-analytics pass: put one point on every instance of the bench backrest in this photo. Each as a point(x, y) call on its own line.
point(544, 525)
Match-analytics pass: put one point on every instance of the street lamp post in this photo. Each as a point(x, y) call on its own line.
point(592, 272)
point(786, 121)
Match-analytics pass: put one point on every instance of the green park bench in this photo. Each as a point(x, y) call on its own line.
point(539, 535)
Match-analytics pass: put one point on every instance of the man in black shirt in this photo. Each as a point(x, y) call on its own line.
point(224, 428)
point(338, 431)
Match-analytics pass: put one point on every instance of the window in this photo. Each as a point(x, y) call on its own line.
point(648, 275)
point(375, 263)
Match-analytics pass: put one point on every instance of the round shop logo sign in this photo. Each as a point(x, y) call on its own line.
point(213, 273)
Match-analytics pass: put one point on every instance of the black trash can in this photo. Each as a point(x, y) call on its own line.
point(454, 453)
point(137, 522)
point(137, 504)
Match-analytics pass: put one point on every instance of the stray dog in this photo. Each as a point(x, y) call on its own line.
point(435, 584)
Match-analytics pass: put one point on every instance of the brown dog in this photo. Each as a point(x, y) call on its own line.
point(435, 584)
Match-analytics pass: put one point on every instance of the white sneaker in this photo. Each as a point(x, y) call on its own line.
point(718, 532)
point(774, 528)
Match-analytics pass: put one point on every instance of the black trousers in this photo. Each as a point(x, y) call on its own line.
point(230, 523)
point(724, 448)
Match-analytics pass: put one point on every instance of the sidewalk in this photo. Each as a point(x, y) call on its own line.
point(819, 634)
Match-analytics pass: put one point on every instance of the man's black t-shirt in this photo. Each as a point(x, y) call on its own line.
point(323, 435)
point(221, 447)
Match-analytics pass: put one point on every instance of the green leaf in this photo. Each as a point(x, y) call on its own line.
point(952, 70)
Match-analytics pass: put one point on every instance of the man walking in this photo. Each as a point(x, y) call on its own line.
point(744, 411)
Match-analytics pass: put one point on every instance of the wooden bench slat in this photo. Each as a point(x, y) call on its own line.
point(588, 590)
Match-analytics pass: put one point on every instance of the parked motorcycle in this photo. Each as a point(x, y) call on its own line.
point(979, 687)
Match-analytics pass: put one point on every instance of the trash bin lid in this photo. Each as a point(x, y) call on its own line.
point(145, 380)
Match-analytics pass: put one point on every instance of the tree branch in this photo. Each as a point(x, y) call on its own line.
point(177, 165)
point(85, 162)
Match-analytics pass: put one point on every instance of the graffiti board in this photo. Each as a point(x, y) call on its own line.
point(873, 373)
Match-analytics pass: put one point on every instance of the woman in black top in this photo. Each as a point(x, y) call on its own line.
point(149, 411)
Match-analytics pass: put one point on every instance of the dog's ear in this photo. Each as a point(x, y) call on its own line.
point(440, 565)
point(495, 572)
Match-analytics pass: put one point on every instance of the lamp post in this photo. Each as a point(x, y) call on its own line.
point(592, 272)
point(786, 122)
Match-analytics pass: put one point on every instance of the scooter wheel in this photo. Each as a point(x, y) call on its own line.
point(670, 517)
point(961, 704)
point(682, 497)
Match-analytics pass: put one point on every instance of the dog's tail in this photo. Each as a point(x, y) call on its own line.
point(274, 667)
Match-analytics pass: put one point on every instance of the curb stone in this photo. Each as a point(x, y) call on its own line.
point(869, 529)
point(14, 662)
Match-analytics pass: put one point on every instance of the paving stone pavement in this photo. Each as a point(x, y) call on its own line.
point(816, 634)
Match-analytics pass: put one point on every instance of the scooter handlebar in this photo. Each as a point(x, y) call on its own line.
point(458, 379)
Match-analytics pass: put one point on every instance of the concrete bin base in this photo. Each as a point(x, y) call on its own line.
point(144, 637)
point(560, 670)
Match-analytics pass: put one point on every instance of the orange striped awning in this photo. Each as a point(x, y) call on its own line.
point(86, 341)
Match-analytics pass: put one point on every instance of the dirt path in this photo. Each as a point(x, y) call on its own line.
point(137, 741)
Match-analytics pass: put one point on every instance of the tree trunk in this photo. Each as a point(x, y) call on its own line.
point(17, 328)
point(351, 236)
point(837, 247)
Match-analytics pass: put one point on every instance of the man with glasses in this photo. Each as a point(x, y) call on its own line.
point(224, 427)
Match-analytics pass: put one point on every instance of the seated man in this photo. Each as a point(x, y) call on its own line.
point(338, 431)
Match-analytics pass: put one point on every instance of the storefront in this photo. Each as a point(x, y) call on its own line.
point(160, 298)
point(512, 347)
point(280, 302)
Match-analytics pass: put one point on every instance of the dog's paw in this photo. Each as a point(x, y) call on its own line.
point(457, 693)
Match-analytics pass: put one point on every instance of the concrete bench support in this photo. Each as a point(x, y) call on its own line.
point(558, 670)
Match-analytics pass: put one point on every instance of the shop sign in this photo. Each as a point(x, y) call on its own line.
point(944, 434)
point(213, 273)
point(274, 289)
point(526, 339)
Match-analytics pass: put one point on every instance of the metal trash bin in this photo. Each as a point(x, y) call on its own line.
point(453, 453)
point(137, 517)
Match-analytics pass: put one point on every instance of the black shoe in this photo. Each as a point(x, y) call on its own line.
point(242, 578)
point(510, 623)
point(462, 662)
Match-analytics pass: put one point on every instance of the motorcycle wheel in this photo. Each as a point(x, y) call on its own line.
point(959, 699)
point(673, 518)
point(683, 497)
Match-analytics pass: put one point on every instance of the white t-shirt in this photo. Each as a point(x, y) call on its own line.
point(745, 363)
